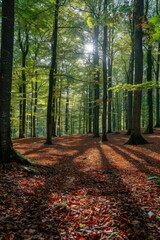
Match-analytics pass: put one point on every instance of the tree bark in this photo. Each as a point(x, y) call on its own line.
point(35, 106)
point(157, 76)
point(136, 137)
point(7, 153)
point(110, 63)
point(52, 79)
point(130, 80)
point(96, 85)
point(149, 128)
point(157, 89)
point(24, 46)
point(104, 113)
point(67, 111)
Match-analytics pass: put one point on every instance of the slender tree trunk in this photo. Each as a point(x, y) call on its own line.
point(110, 63)
point(59, 109)
point(157, 89)
point(67, 112)
point(96, 85)
point(24, 46)
point(35, 105)
point(90, 112)
point(136, 137)
point(52, 79)
point(20, 111)
point(130, 94)
point(24, 103)
point(149, 128)
point(104, 113)
point(157, 77)
point(114, 114)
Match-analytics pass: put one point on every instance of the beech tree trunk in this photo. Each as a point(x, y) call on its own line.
point(149, 128)
point(35, 107)
point(24, 46)
point(96, 85)
point(104, 113)
point(52, 79)
point(110, 63)
point(136, 137)
point(157, 76)
point(157, 89)
point(130, 80)
point(67, 111)
point(7, 153)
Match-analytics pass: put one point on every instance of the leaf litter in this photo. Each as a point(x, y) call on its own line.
point(83, 190)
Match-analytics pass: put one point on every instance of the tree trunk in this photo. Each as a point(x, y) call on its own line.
point(59, 109)
point(67, 112)
point(96, 85)
point(130, 94)
point(149, 128)
point(157, 88)
point(136, 137)
point(90, 109)
point(35, 106)
point(24, 46)
point(110, 62)
point(157, 76)
point(52, 79)
point(7, 153)
point(104, 113)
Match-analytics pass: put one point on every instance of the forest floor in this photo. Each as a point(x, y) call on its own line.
point(83, 190)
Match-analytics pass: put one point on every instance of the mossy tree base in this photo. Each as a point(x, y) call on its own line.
point(136, 139)
point(17, 157)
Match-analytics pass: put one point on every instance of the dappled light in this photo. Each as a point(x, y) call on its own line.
point(80, 120)
point(83, 189)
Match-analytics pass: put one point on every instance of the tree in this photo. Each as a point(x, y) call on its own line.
point(130, 77)
point(157, 76)
point(149, 128)
point(24, 46)
point(52, 78)
point(104, 113)
point(136, 137)
point(7, 153)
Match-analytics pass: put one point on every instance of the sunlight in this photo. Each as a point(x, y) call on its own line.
point(88, 47)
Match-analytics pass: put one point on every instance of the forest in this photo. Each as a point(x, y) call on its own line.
point(80, 120)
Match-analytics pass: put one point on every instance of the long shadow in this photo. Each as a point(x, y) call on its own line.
point(65, 181)
point(153, 162)
point(128, 208)
point(61, 145)
point(137, 163)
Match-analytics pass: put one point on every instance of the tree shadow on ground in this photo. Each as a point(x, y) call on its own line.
point(73, 177)
point(141, 161)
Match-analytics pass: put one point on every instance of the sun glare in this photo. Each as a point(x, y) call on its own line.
point(88, 48)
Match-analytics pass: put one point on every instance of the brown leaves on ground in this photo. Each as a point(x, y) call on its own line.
point(83, 190)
